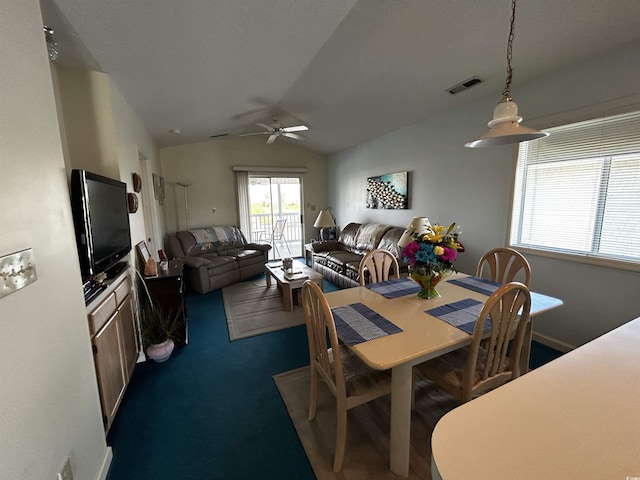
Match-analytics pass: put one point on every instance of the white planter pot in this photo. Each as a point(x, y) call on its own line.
point(160, 352)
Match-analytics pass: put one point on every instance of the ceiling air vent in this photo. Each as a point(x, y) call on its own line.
point(468, 83)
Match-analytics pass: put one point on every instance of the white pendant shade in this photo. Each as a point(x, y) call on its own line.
point(505, 128)
point(417, 225)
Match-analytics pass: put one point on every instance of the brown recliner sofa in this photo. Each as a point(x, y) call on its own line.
point(215, 257)
point(339, 260)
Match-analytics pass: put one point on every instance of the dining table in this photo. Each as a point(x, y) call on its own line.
point(422, 334)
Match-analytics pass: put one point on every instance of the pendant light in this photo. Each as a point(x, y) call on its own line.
point(505, 126)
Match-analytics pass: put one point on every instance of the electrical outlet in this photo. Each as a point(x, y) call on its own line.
point(214, 210)
point(65, 472)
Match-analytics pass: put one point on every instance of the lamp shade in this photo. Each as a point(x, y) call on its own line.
point(417, 225)
point(505, 128)
point(324, 220)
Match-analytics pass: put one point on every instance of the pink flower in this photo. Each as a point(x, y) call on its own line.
point(411, 249)
point(449, 254)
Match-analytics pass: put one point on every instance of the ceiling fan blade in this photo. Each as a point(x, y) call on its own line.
point(296, 128)
point(253, 133)
point(272, 139)
point(267, 127)
point(219, 135)
point(293, 135)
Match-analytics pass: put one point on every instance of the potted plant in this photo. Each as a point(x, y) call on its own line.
point(159, 327)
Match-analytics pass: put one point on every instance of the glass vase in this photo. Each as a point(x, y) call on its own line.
point(428, 280)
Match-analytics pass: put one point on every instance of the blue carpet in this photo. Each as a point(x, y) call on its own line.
point(212, 411)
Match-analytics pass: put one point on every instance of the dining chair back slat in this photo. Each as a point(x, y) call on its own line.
point(505, 265)
point(493, 358)
point(378, 265)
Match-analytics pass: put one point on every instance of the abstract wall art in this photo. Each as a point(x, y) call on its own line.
point(388, 191)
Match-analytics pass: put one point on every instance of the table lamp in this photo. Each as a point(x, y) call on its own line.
point(417, 225)
point(324, 221)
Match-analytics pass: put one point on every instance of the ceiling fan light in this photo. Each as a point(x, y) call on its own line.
point(505, 128)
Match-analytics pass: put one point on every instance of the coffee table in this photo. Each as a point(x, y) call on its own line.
point(287, 286)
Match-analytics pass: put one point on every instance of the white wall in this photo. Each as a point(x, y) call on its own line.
point(208, 166)
point(104, 135)
point(450, 183)
point(49, 406)
point(132, 139)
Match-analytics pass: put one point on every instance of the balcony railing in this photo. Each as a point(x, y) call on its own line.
point(262, 228)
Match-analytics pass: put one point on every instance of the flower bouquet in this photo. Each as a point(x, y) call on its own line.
point(430, 256)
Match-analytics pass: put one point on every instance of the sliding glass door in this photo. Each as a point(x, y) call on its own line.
point(275, 213)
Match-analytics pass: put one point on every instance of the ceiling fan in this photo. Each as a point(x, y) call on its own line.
point(275, 130)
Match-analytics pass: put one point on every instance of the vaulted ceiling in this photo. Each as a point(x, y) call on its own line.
point(348, 69)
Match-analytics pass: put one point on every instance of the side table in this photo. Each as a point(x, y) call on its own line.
point(308, 254)
point(167, 291)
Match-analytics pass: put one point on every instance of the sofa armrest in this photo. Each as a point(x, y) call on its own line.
point(262, 247)
point(325, 246)
point(195, 262)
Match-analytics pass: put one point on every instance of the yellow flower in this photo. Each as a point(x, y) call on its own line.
point(438, 250)
point(436, 233)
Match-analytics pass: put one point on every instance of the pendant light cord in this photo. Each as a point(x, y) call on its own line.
point(506, 92)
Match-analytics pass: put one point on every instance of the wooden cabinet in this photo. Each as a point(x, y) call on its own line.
point(114, 341)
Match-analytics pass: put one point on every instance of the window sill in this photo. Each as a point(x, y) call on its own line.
point(571, 257)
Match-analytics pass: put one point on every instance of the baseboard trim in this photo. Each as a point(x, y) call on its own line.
point(553, 343)
point(106, 463)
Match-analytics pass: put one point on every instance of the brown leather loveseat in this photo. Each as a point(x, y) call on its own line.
point(339, 260)
point(217, 256)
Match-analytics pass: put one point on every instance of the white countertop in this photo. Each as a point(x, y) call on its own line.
point(577, 417)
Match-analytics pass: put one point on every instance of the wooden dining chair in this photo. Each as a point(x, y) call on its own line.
point(492, 359)
point(378, 265)
point(349, 379)
point(504, 265)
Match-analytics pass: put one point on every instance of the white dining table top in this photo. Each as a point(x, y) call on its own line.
point(423, 336)
point(577, 417)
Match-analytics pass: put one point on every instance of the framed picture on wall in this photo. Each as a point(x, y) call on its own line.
point(156, 186)
point(388, 191)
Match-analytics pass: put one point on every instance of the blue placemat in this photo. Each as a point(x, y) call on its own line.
point(398, 287)
point(539, 302)
point(462, 314)
point(479, 285)
point(357, 323)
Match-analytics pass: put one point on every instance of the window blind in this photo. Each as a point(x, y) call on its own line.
point(578, 190)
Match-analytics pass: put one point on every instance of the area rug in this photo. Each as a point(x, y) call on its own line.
point(253, 309)
point(367, 452)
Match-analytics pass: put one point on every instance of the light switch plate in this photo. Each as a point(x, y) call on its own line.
point(17, 270)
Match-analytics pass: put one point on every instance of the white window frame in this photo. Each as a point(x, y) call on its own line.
point(607, 110)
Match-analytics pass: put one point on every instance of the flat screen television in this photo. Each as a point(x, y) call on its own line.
point(101, 219)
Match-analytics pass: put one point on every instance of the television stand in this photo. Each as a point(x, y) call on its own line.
point(91, 290)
